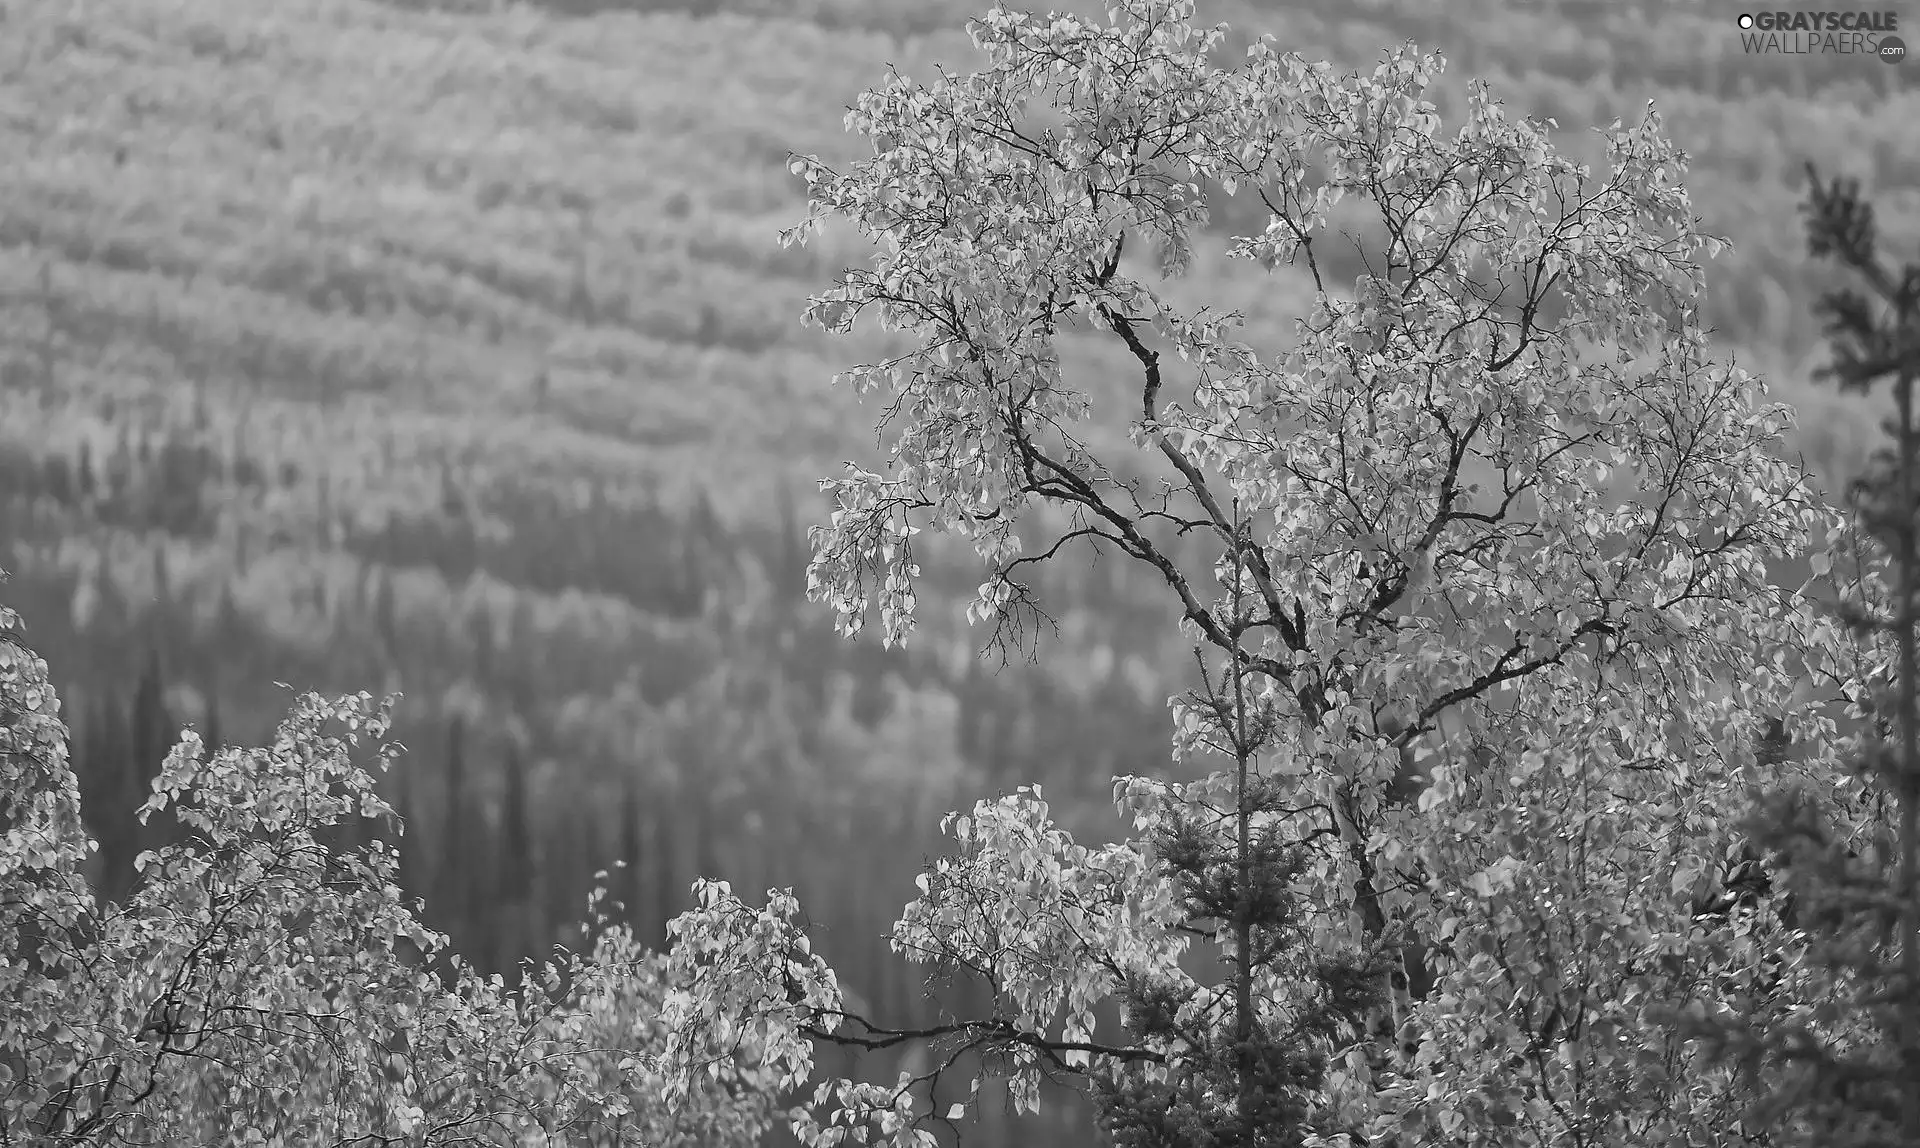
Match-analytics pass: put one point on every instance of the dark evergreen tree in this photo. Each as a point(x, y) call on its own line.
point(521, 683)
point(229, 628)
point(515, 885)
point(484, 921)
point(99, 791)
point(560, 873)
point(451, 899)
point(121, 789)
point(202, 409)
point(151, 735)
point(1848, 1074)
point(162, 584)
point(516, 836)
point(58, 480)
point(120, 471)
point(483, 644)
point(385, 622)
point(628, 889)
point(1254, 1073)
point(88, 485)
point(151, 728)
point(669, 889)
point(593, 852)
point(700, 817)
point(110, 615)
point(792, 552)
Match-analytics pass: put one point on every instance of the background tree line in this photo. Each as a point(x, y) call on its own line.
point(348, 399)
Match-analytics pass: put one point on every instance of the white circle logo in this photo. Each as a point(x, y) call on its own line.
point(1746, 20)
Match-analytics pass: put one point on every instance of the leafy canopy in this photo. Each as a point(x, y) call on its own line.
point(260, 987)
point(1498, 593)
point(1502, 558)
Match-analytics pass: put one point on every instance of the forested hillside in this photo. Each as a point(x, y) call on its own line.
point(445, 347)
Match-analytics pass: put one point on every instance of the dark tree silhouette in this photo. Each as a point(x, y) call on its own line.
point(1847, 1077)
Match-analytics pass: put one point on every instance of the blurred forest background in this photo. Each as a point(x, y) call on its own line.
point(445, 347)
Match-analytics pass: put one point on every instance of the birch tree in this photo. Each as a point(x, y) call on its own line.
point(256, 987)
point(1503, 577)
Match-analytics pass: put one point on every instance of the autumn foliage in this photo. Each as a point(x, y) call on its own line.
point(258, 987)
point(1504, 577)
point(1505, 583)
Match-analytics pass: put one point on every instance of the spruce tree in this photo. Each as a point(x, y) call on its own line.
point(113, 756)
point(523, 929)
point(516, 846)
point(412, 880)
point(213, 732)
point(669, 894)
point(1252, 1074)
point(452, 900)
point(1846, 1073)
point(629, 885)
point(153, 733)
